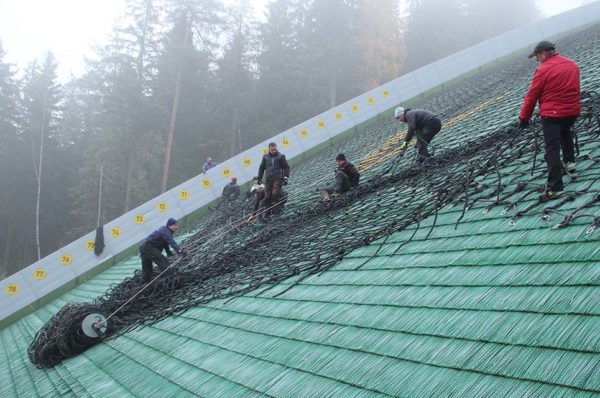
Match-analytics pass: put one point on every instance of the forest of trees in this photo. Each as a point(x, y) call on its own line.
point(182, 80)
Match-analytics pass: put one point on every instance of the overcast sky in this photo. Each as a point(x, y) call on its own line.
point(29, 28)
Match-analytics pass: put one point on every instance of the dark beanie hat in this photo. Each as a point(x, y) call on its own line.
point(171, 221)
point(341, 156)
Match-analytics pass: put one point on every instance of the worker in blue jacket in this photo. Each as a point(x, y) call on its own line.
point(155, 243)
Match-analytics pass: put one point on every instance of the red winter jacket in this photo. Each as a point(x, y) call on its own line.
point(556, 86)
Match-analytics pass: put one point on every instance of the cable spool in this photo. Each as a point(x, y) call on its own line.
point(94, 325)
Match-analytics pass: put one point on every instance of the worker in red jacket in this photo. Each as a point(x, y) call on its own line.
point(555, 86)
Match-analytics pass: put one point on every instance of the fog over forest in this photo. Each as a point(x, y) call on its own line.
point(214, 78)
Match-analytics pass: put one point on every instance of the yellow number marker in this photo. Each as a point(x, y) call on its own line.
point(39, 274)
point(184, 194)
point(66, 259)
point(162, 206)
point(115, 232)
point(205, 183)
point(11, 289)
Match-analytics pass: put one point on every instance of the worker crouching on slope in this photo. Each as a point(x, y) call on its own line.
point(422, 123)
point(556, 87)
point(346, 178)
point(256, 195)
point(155, 243)
point(277, 170)
point(231, 191)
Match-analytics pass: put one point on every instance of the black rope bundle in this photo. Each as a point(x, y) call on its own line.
point(229, 257)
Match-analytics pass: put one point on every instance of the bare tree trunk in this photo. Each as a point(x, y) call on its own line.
point(140, 60)
point(129, 186)
point(140, 76)
point(100, 196)
point(7, 251)
point(235, 128)
point(332, 89)
point(163, 185)
point(39, 175)
point(234, 132)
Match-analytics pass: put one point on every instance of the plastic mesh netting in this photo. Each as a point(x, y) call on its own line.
point(480, 161)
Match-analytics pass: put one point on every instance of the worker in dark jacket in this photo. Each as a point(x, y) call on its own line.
point(155, 243)
point(346, 178)
point(556, 87)
point(422, 123)
point(277, 170)
point(231, 191)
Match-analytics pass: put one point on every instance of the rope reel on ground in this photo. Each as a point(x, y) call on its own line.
point(94, 326)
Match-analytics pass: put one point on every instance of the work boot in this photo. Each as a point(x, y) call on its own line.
point(549, 195)
point(569, 168)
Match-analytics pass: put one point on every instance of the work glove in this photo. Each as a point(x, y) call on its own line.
point(403, 147)
point(259, 182)
point(285, 180)
point(523, 123)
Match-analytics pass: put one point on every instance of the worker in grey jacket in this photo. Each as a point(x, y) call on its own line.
point(422, 123)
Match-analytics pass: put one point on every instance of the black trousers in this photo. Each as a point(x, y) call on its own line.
point(151, 254)
point(425, 136)
point(558, 134)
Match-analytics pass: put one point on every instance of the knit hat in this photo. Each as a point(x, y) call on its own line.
point(341, 156)
point(171, 221)
point(398, 112)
